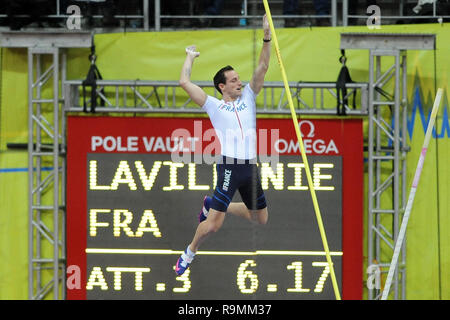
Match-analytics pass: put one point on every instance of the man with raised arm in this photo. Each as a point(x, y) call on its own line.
point(234, 120)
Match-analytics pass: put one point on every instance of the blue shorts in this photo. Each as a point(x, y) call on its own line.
point(236, 174)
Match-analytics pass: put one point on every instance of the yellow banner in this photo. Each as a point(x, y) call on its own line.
point(309, 54)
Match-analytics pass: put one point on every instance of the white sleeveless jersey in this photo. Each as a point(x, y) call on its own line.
point(235, 124)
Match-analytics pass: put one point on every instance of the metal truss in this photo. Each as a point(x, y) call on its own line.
point(387, 151)
point(387, 148)
point(46, 218)
point(317, 98)
point(46, 156)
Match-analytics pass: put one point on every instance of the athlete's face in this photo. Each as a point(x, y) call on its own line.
point(233, 85)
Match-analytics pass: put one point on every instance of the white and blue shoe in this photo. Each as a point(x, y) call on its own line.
point(183, 263)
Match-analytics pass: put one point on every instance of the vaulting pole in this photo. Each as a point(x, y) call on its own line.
point(302, 149)
point(412, 193)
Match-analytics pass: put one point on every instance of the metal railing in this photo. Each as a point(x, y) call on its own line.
point(167, 96)
point(244, 14)
point(436, 16)
point(248, 12)
point(59, 13)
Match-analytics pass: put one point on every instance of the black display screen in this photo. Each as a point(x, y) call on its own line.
point(142, 213)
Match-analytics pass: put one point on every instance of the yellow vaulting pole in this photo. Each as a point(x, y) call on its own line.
point(302, 149)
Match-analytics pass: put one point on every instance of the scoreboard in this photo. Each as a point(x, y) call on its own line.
point(136, 186)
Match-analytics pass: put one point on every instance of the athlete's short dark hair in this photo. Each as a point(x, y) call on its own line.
point(220, 77)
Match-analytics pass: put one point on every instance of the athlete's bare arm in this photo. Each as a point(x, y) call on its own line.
point(194, 91)
point(257, 81)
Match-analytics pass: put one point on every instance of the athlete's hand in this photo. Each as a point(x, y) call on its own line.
point(191, 51)
point(266, 27)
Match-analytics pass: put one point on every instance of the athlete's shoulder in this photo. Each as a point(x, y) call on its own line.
point(248, 91)
point(211, 102)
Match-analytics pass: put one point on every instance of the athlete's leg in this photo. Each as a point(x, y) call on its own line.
point(260, 216)
point(254, 206)
point(212, 224)
point(240, 209)
point(211, 220)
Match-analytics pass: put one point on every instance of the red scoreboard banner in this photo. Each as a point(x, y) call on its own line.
point(134, 186)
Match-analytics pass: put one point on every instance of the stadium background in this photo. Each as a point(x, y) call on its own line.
point(309, 54)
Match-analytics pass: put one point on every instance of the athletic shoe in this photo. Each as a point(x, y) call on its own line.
point(181, 266)
point(206, 205)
